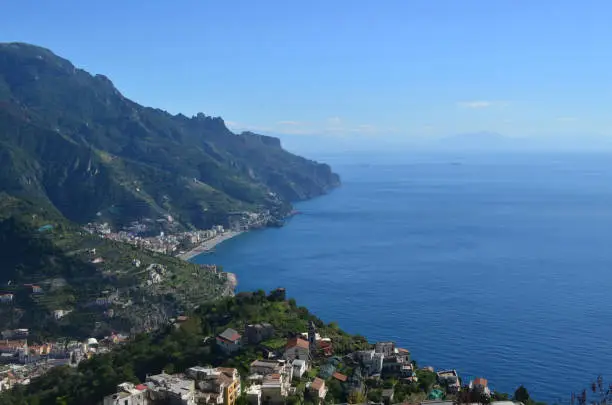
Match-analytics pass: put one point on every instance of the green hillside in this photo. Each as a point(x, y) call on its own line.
point(40, 248)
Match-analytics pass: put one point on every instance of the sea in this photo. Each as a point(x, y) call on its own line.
point(498, 265)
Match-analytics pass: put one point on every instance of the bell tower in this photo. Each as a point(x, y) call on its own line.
point(312, 339)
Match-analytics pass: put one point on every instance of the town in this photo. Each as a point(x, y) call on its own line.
point(253, 348)
point(21, 361)
point(259, 367)
point(173, 242)
point(304, 369)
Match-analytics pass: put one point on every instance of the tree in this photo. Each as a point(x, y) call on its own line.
point(426, 379)
point(294, 400)
point(375, 395)
point(356, 397)
point(500, 396)
point(484, 398)
point(521, 394)
point(242, 400)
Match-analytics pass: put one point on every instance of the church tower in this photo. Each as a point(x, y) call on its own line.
point(312, 339)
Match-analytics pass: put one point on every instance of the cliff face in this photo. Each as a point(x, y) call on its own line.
point(74, 140)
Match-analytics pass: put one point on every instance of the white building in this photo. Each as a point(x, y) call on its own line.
point(274, 389)
point(253, 395)
point(299, 368)
point(60, 313)
point(128, 394)
point(171, 389)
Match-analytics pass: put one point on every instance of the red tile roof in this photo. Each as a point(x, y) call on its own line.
point(230, 335)
point(141, 387)
point(481, 381)
point(317, 384)
point(339, 377)
point(297, 342)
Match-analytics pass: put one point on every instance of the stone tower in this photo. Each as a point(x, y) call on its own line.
point(312, 339)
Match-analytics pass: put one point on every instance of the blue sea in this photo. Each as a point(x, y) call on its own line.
point(498, 265)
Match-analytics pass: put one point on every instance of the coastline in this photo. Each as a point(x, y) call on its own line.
point(209, 244)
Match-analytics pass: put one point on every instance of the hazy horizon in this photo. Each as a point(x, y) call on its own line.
point(342, 69)
point(468, 142)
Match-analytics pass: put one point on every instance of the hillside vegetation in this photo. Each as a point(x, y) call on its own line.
point(96, 281)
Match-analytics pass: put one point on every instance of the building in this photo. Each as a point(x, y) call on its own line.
point(60, 313)
point(274, 377)
point(231, 390)
point(229, 341)
point(397, 363)
point(297, 348)
point(14, 347)
point(128, 394)
point(386, 348)
point(299, 368)
point(371, 361)
point(325, 347)
point(480, 385)
point(317, 389)
point(259, 332)
point(265, 367)
point(253, 395)
point(219, 385)
point(450, 379)
point(5, 298)
point(275, 389)
point(172, 389)
point(340, 377)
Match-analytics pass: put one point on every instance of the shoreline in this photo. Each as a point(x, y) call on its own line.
point(208, 245)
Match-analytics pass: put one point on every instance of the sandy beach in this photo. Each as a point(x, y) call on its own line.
point(208, 244)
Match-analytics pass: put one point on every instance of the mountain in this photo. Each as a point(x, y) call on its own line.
point(73, 141)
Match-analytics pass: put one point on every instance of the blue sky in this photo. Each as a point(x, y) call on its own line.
point(393, 69)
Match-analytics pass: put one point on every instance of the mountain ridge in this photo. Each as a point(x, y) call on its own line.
point(71, 136)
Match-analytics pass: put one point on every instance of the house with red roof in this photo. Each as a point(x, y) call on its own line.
point(339, 376)
point(297, 349)
point(229, 341)
point(318, 389)
point(325, 347)
point(480, 385)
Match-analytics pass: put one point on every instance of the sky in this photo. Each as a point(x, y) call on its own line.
point(356, 69)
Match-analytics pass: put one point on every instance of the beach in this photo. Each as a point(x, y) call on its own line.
point(208, 244)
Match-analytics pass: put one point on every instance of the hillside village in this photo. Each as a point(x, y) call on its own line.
point(260, 365)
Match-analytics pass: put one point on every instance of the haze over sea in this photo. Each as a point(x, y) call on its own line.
point(498, 265)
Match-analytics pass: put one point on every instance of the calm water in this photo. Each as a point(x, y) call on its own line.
point(499, 266)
